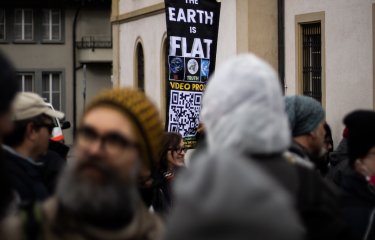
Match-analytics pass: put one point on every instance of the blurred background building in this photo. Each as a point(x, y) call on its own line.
point(60, 49)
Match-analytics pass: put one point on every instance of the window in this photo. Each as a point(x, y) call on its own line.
point(51, 89)
point(312, 60)
point(140, 68)
point(25, 82)
point(51, 25)
point(310, 56)
point(23, 24)
point(2, 25)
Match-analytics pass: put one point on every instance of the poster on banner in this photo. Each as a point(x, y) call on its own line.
point(192, 30)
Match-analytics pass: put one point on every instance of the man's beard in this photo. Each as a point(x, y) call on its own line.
point(107, 203)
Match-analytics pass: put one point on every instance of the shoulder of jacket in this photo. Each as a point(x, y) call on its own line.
point(296, 159)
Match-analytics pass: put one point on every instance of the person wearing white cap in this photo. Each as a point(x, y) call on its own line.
point(33, 124)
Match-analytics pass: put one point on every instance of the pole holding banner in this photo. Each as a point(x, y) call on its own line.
point(192, 30)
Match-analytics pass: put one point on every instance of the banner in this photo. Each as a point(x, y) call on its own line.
point(192, 29)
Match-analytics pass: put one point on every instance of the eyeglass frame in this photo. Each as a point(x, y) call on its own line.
point(122, 141)
point(178, 150)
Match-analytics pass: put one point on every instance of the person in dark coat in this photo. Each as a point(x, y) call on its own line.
point(307, 119)
point(339, 160)
point(318, 200)
point(8, 90)
point(52, 166)
point(27, 142)
point(358, 181)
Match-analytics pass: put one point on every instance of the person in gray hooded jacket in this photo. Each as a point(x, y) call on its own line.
point(243, 111)
point(225, 194)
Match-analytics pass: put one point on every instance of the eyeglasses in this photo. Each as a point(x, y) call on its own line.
point(112, 141)
point(179, 150)
point(49, 126)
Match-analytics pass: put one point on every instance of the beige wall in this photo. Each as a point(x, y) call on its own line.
point(262, 19)
point(126, 6)
point(348, 61)
point(149, 31)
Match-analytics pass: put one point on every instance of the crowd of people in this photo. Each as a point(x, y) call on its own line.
point(265, 167)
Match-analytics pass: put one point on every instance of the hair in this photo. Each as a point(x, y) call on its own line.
point(328, 136)
point(17, 136)
point(170, 140)
point(8, 84)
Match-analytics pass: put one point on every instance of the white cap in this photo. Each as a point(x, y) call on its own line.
point(28, 105)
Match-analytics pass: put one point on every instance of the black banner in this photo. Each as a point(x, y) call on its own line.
point(192, 29)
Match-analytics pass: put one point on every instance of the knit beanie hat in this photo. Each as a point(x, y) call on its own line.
point(144, 116)
point(361, 134)
point(304, 113)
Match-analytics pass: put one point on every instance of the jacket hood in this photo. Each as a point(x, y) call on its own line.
point(257, 207)
point(243, 108)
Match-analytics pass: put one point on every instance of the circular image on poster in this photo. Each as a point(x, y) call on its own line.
point(176, 65)
point(192, 66)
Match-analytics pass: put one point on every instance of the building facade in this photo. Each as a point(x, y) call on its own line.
point(139, 39)
point(60, 49)
point(329, 55)
point(322, 49)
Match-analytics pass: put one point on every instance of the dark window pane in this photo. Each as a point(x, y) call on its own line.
point(45, 32)
point(45, 83)
point(28, 85)
point(56, 101)
point(18, 16)
point(18, 32)
point(28, 16)
point(28, 32)
point(140, 68)
point(56, 32)
point(55, 17)
point(56, 83)
point(45, 20)
point(311, 60)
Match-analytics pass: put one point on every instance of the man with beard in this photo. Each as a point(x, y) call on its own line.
point(307, 119)
point(97, 196)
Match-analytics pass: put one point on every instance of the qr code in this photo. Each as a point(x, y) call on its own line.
point(184, 109)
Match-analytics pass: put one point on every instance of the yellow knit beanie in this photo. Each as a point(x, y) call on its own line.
point(144, 116)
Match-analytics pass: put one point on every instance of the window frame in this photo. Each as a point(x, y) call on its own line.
point(50, 90)
point(23, 40)
point(50, 26)
point(23, 74)
point(301, 20)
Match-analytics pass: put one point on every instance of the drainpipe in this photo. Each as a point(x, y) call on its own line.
point(75, 71)
point(281, 41)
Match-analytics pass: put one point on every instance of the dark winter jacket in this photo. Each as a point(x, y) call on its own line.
point(339, 162)
point(26, 178)
point(53, 164)
point(226, 196)
point(315, 200)
point(358, 205)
